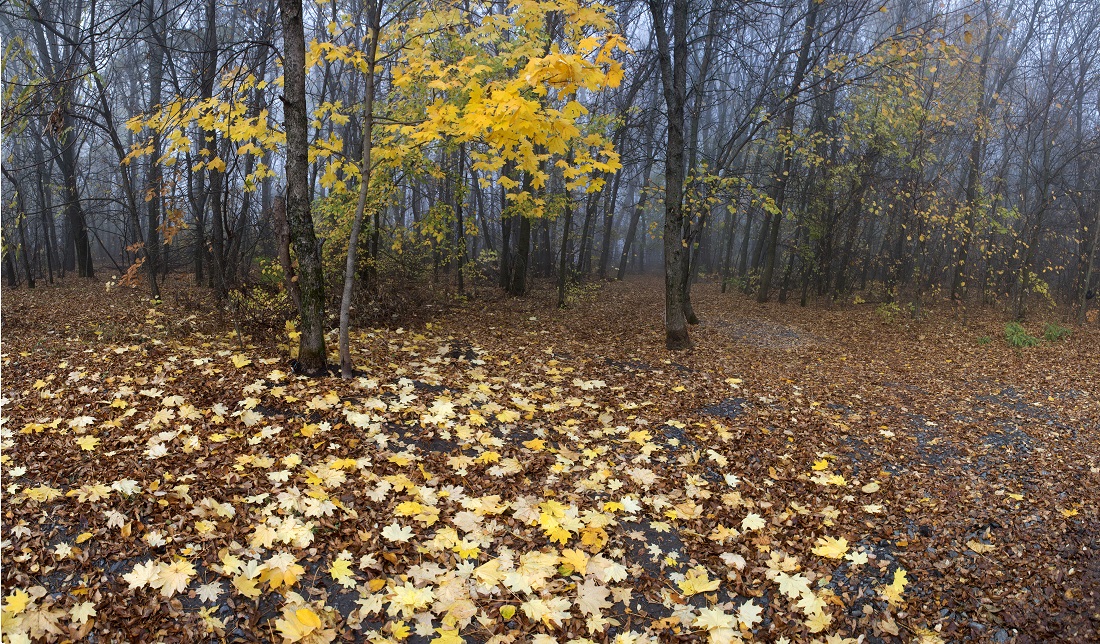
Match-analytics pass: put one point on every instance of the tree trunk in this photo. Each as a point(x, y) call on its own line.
point(311, 351)
point(46, 203)
point(346, 365)
point(1086, 283)
point(780, 184)
point(563, 263)
point(154, 178)
point(517, 284)
point(460, 224)
point(673, 63)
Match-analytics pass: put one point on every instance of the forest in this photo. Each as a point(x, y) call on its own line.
point(550, 320)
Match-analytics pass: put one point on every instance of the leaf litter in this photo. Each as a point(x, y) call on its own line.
point(515, 473)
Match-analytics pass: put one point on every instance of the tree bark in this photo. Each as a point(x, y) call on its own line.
point(311, 351)
point(346, 365)
point(784, 167)
point(673, 63)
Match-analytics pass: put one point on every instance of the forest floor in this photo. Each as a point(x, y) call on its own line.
point(504, 471)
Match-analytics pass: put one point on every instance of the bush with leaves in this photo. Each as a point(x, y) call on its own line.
point(1053, 332)
point(1016, 335)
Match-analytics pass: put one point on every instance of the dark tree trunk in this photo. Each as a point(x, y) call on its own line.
point(517, 283)
point(311, 353)
point(460, 197)
point(563, 262)
point(154, 178)
point(673, 63)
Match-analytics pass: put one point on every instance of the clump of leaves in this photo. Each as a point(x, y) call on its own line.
point(888, 311)
point(1053, 332)
point(1016, 335)
point(984, 340)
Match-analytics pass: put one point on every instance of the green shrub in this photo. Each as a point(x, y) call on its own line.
point(1053, 332)
point(1016, 335)
point(888, 311)
point(984, 340)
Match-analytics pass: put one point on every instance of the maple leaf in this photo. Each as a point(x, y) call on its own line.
point(210, 592)
point(81, 612)
point(818, 621)
point(576, 559)
point(16, 602)
point(592, 598)
point(810, 603)
point(397, 533)
point(246, 586)
point(87, 443)
point(42, 493)
point(830, 547)
point(713, 619)
point(340, 570)
point(753, 521)
point(697, 581)
point(296, 624)
point(550, 612)
point(42, 621)
point(173, 578)
point(281, 569)
point(792, 585)
point(892, 591)
point(408, 599)
point(141, 575)
point(447, 636)
point(856, 558)
point(508, 416)
point(749, 614)
point(979, 547)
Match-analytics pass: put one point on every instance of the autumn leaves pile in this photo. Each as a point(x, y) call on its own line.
point(493, 499)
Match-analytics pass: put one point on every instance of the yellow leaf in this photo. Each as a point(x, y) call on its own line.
point(246, 587)
point(508, 416)
point(697, 581)
point(447, 636)
point(892, 592)
point(576, 559)
point(18, 600)
point(297, 624)
point(830, 547)
point(594, 539)
point(87, 443)
point(84, 537)
point(507, 612)
point(308, 617)
point(823, 464)
point(240, 361)
point(340, 570)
